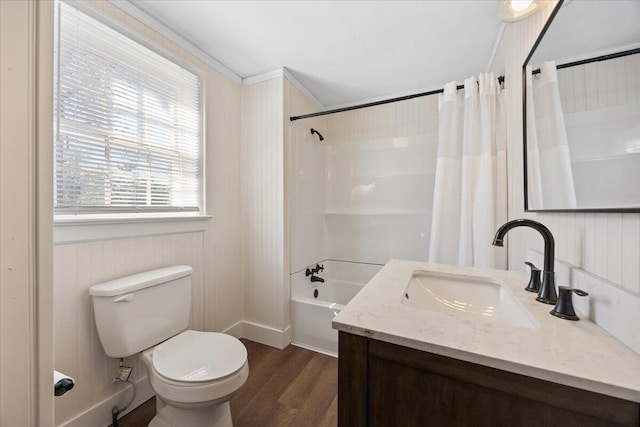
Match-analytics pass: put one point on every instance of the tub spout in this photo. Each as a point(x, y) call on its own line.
point(315, 278)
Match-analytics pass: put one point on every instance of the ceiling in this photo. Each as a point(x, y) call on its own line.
point(342, 52)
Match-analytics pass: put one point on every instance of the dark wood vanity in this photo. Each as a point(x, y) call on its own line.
point(382, 384)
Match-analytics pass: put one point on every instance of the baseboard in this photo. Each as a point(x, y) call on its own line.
point(263, 334)
point(235, 330)
point(316, 349)
point(100, 413)
point(286, 338)
point(266, 334)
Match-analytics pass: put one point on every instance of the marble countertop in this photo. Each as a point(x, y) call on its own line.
point(578, 354)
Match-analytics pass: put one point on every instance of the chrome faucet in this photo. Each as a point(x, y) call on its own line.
point(547, 293)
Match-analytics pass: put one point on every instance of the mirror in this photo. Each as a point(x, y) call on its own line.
point(582, 109)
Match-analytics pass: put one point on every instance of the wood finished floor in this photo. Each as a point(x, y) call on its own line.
point(290, 387)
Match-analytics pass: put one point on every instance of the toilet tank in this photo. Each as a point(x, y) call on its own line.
point(136, 312)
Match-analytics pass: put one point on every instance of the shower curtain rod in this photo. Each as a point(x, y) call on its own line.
point(373, 104)
point(435, 92)
point(594, 59)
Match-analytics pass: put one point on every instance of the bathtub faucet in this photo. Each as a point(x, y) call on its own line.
point(315, 278)
point(317, 269)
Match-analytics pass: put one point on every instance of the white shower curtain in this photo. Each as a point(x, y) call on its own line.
point(470, 196)
point(549, 173)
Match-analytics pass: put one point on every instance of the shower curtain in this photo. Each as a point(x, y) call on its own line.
point(547, 145)
point(470, 196)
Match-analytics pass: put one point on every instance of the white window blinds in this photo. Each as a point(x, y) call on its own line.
point(128, 124)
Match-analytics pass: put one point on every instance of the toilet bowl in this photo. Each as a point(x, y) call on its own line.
point(193, 373)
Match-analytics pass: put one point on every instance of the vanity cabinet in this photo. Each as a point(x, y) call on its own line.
point(382, 384)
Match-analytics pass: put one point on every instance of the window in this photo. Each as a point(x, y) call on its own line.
point(128, 124)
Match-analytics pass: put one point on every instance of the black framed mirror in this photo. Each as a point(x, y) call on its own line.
point(581, 110)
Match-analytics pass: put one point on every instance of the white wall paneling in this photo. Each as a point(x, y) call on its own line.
point(18, 329)
point(44, 209)
point(267, 226)
point(90, 231)
point(78, 351)
point(604, 245)
point(614, 309)
point(213, 249)
point(224, 289)
point(630, 254)
point(599, 85)
point(26, 329)
point(263, 203)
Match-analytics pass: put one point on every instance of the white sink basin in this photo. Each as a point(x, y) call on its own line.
point(467, 297)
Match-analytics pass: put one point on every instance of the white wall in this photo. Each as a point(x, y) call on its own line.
point(606, 245)
point(215, 255)
point(78, 351)
point(266, 108)
point(18, 382)
point(263, 205)
point(26, 219)
point(600, 85)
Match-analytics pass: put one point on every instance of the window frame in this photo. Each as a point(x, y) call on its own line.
point(113, 217)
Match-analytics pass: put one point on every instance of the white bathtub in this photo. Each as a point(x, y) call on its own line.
point(311, 316)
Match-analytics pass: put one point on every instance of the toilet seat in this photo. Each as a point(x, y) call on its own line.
point(193, 357)
point(216, 379)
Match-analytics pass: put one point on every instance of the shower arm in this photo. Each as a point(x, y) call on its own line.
point(313, 131)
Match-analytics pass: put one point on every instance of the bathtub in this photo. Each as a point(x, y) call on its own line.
point(314, 305)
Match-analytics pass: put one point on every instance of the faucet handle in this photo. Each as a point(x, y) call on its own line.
point(531, 265)
point(534, 281)
point(564, 305)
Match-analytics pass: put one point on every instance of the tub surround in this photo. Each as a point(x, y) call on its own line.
point(314, 305)
point(576, 354)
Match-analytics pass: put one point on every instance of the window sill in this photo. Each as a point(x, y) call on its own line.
point(79, 230)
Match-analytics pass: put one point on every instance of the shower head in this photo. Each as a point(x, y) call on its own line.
point(318, 133)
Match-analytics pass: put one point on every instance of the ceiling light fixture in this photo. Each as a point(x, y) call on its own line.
point(520, 5)
point(515, 10)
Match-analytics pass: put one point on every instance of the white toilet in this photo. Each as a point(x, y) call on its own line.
point(194, 374)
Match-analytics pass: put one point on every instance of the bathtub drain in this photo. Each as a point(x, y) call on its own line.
point(315, 293)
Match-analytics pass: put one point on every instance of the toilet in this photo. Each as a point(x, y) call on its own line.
point(194, 374)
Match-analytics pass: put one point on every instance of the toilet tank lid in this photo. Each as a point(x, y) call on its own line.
point(139, 281)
